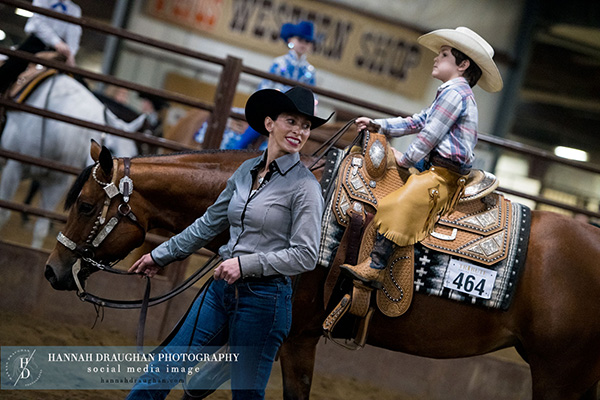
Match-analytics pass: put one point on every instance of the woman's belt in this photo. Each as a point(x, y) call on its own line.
point(267, 279)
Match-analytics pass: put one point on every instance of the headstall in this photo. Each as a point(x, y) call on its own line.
point(101, 230)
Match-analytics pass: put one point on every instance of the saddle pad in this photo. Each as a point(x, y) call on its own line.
point(432, 268)
point(331, 231)
point(24, 86)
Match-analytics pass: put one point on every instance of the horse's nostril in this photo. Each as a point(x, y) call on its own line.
point(49, 274)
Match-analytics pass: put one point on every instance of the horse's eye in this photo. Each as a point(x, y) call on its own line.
point(85, 208)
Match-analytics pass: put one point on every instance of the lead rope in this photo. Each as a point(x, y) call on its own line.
point(142, 318)
point(330, 143)
point(44, 119)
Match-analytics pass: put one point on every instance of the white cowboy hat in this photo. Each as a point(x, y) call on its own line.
point(474, 46)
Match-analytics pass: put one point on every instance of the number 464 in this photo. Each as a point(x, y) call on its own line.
point(469, 282)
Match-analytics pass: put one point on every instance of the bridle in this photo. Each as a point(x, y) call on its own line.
point(100, 232)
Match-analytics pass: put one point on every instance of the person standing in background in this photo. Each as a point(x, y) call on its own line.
point(300, 39)
point(45, 33)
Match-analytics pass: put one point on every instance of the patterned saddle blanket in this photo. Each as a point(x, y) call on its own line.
point(474, 255)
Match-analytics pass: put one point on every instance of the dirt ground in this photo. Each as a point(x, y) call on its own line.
point(22, 330)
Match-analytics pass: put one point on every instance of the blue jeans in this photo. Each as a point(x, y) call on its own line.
point(253, 318)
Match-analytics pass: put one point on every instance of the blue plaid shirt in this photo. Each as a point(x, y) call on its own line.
point(448, 126)
point(292, 67)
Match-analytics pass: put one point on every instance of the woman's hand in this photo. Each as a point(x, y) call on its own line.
point(229, 270)
point(145, 266)
point(366, 123)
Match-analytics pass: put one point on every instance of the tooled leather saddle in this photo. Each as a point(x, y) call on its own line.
point(478, 231)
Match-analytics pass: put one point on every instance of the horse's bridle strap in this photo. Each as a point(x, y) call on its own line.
point(123, 210)
point(65, 241)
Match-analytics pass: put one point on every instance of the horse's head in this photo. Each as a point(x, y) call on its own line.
point(102, 226)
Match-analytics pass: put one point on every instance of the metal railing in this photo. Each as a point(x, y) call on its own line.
point(232, 68)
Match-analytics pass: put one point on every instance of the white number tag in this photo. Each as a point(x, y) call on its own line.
point(470, 278)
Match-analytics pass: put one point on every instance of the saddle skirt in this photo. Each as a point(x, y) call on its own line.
point(485, 228)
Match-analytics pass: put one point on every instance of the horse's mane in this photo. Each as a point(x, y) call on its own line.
point(85, 174)
point(77, 186)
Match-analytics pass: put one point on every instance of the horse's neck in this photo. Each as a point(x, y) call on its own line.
point(178, 189)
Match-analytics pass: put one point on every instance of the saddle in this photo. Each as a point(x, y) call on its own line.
point(476, 230)
point(33, 76)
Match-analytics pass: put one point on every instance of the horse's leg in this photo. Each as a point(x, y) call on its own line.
point(11, 177)
point(52, 191)
point(297, 364)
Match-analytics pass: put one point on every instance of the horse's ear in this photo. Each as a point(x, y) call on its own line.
point(106, 161)
point(95, 150)
point(102, 155)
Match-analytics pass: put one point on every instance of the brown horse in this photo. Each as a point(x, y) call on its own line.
point(553, 321)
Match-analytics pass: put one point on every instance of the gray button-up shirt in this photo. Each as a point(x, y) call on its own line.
point(273, 230)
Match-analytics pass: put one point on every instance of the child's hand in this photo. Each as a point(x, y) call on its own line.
point(398, 156)
point(366, 123)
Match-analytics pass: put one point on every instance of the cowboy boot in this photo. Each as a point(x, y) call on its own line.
point(372, 270)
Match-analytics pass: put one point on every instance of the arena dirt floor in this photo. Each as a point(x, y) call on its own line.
point(365, 374)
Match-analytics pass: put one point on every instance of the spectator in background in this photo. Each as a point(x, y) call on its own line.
point(299, 39)
point(45, 33)
point(153, 107)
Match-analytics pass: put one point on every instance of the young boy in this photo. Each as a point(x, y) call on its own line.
point(447, 134)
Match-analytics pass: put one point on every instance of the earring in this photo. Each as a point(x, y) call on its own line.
point(290, 45)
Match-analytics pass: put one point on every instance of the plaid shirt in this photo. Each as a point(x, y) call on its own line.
point(448, 126)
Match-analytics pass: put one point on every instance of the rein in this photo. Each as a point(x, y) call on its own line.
point(329, 143)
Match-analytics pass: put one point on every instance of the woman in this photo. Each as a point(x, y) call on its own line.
point(272, 206)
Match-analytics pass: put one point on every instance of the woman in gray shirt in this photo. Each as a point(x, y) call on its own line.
point(272, 206)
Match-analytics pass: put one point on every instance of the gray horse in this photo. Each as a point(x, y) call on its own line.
point(58, 141)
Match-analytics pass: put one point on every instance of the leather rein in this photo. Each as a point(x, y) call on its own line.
point(100, 232)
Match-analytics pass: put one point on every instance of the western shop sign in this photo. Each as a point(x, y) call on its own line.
point(349, 43)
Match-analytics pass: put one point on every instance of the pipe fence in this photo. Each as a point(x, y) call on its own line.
point(232, 68)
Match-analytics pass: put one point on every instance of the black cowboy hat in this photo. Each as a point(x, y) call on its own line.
point(271, 102)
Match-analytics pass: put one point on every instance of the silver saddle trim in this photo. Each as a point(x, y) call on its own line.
point(479, 184)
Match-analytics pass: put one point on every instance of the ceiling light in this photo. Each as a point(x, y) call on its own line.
point(23, 13)
point(571, 153)
point(2, 35)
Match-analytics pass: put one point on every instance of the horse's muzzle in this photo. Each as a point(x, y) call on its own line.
point(66, 283)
